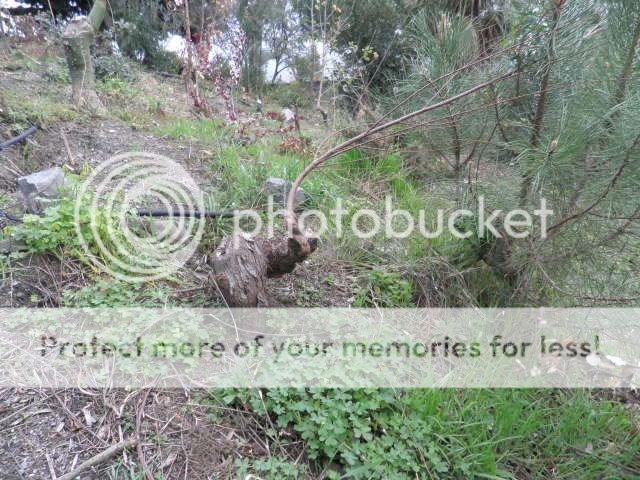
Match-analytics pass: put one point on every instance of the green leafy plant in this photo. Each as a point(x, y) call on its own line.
point(273, 468)
point(54, 231)
point(114, 66)
point(364, 431)
point(113, 294)
point(118, 88)
point(384, 289)
point(448, 434)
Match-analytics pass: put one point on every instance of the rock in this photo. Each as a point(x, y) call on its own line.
point(167, 228)
point(287, 115)
point(39, 187)
point(9, 245)
point(279, 190)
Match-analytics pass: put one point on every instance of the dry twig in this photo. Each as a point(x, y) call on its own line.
point(100, 458)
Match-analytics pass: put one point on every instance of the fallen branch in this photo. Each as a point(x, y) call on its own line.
point(100, 458)
point(140, 452)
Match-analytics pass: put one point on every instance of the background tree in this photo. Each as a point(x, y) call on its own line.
point(139, 27)
point(252, 16)
point(78, 37)
point(279, 35)
point(442, 44)
point(370, 49)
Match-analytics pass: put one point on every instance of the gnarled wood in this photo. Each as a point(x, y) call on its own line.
point(240, 271)
point(242, 265)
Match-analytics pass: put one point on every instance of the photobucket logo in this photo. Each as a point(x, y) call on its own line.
point(397, 223)
point(128, 247)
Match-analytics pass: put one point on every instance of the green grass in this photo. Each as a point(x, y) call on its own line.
point(542, 432)
point(360, 182)
point(127, 102)
point(204, 130)
point(43, 108)
point(118, 88)
point(532, 434)
point(20, 61)
point(421, 433)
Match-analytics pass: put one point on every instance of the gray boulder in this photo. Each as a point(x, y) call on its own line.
point(279, 190)
point(40, 187)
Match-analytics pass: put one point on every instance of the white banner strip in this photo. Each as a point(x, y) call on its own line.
point(349, 348)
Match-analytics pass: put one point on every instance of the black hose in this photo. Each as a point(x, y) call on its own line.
point(150, 213)
point(177, 213)
point(30, 131)
point(10, 217)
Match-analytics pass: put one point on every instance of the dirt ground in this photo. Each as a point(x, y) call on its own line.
point(45, 434)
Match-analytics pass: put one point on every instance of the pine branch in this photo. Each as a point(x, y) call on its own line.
point(538, 120)
point(618, 98)
point(627, 71)
point(625, 163)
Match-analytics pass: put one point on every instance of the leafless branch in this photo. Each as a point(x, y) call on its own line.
point(352, 142)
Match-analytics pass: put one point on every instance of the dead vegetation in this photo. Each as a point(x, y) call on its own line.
point(175, 434)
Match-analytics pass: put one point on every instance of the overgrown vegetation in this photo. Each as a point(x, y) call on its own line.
point(449, 433)
point(563, 127)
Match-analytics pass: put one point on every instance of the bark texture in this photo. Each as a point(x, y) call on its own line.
point(242, 265)
point(77, 38)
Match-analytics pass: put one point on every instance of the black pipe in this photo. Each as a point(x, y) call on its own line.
point(19, 138)
point(178, 213)
point(10, 217)
point(151, 213)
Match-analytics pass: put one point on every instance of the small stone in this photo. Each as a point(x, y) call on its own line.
point(287, 115)
point(10, 246)
point(43, 185)
point(279, 188)
point(166, 229)
point(617, 361)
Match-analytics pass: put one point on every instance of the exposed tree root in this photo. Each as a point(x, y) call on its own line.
point(242, 264)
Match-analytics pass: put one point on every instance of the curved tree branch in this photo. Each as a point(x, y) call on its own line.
point(290, 216)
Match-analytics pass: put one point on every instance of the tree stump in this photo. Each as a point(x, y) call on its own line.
point(240, 271)
point(77, 38)
point(242, 264)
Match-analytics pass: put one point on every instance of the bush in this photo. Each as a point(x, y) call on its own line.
point(55, 230)
point(114, 66)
